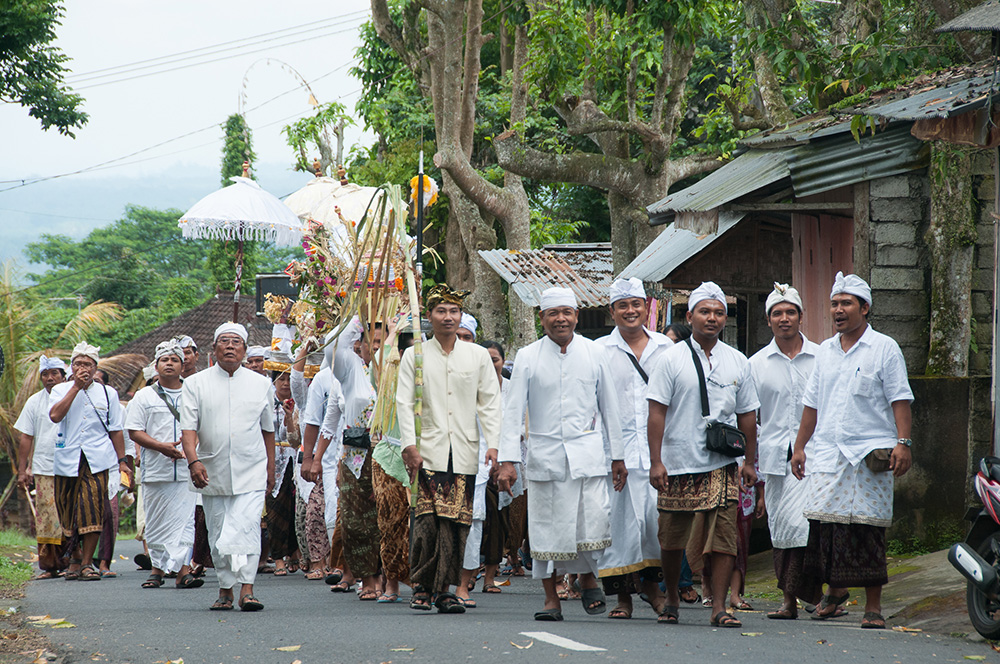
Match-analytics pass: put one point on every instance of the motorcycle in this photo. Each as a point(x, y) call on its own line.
point(978, 557)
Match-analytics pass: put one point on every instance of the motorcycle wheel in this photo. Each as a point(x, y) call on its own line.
point(984, 612)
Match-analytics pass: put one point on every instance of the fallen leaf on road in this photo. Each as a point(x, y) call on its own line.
point(978, 658)
point(821, 641)
point(401, 649)
point(751, 633)
point(901, 628)
point(288, 648)
point(63, 625)
point(175, 661)
point(530, 643)
point(54, 623)
point(297, 661)
point(505, 582)
point(995, 647)
point(122, 557)
point(34, 618)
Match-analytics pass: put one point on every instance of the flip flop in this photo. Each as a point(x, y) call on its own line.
point(872, 620)
point(449, 603)
point(723, 619)
point(332, 579)
point(222, 604)
point(341, 587)
point(368, 595)
point(742, 606)
point(784, 614)
point(281, 572)
point(827, 601)
point(108, 574)
point(468, 603)
point(491, 589)
point(549, 615)
point(189, 581)
point(620, 612)
point(686, 595)
point(142, 561)
point(154, 581)
point(250, 603)
point(669, 615)
point(593, 596)
point(48, 575)
point(389, 598)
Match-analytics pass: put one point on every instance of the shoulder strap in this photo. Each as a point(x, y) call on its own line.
point(635, 363)
point(163, 395)
point(701, 379)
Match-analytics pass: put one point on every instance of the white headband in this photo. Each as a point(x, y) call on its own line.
point(186, 341)
point(255, 351)
point(170, 347)
point(708, 290)
point(149, 371)
point(852, 284)
point(469, 322)
point(624, 289)
point(782, 293)
point(46, 363)
point(230, 328)
point(557, 297)
point(86, 350)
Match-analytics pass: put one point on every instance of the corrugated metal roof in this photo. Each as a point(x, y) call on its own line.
point(943, 94)
point(748, 172)
point(674, 246)
point(984, 18)
point(843, 161)
point(803, 130)
point(588, 271)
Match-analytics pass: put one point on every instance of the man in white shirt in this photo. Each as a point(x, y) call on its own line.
point(459, 384)
point(153, 423)
point(35, 458)
point(857, 415)
point(563, 381)
point(699, 488)
point(227, 432)
point(190, 355)
point(88, 442)
point(780, 372)
point(254, 360)
point(633, 350)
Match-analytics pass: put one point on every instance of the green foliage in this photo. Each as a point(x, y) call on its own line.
point(238, 148)
point(14, 573)
point(32, 70)
point(546, 230)
point(315, 130)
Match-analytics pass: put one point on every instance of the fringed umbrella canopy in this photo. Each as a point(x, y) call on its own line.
point(242, 211)
point(320, 199)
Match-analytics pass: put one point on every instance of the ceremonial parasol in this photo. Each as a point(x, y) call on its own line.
point(242, 211)
point(319, 199)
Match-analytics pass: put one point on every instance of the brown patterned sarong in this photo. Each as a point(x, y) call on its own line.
point(80, 500)
point(392, 504)
point(441, 526)
point(846, 555)
point(789, 569)
point(518, 513)
point(280, 516)
point(700, 492)
point(358, 520)
point(495, 528)
point(109, 532)
point(202, 554)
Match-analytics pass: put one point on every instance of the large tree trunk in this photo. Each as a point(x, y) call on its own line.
point(951, 239)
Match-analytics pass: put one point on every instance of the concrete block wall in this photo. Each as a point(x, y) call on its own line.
point(982, 280)
point(900, 273)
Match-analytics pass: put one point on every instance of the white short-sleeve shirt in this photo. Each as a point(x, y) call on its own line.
point(148, 412)
point(675, 384)
point(853, 393)
point(34, 421)
point(85, 428)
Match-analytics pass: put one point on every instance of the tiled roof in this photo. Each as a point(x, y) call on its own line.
point(584, 268)
point(200, 323)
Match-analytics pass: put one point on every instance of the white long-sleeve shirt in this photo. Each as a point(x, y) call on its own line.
point(631, 389)
point(780, 381)
point(229, 414)
point(566, 396)
point(349, 370)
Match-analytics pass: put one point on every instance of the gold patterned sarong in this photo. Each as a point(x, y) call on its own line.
point(699, 492)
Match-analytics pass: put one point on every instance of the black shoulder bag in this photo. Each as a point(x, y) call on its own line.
point(721, 438)
point(635, 363)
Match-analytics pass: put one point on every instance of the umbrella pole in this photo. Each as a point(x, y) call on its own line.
point(420, 222)
point(238, 281)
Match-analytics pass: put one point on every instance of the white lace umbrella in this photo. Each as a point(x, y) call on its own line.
point(319, 199)
point(242, 211)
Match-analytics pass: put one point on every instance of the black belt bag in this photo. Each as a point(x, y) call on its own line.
point(357, 437)
point(720, 438)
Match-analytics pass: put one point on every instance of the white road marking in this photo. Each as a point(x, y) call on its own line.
point(562, 642)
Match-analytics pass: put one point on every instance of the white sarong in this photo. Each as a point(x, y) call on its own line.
point(634, 524)
point(169, 523)
point(331, 492)
point(234, 534)
point(473, 543)
point(785, 498)
point(850, 494)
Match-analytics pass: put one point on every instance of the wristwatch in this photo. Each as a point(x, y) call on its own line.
point(905, 441)
point(123, 459)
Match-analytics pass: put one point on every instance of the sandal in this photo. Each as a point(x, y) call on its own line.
point(468, 603)
point(620, 612)
point(723, 619)
point(369, 595)
point(48, 575)
point(281, 571)
point(189, 581)
point(250, 603)
point(421, 600)
point(491, 589)
point(142, 561)
point(872, 620)
point(784, 614)
point(449, 603)
point(108, 574)
point(593, 601)
point(316, 575)
point(669, 615)
point(222, 604)
point(88, 573)
point(829, 601)
point(341, 587)
point(154, 581)
point(689, 595)
point(332, 579)
point(388, 598)
point(549, 615)
point(742, 606)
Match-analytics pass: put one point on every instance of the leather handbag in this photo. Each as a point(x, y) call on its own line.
point(878, 460)
point(720, 438)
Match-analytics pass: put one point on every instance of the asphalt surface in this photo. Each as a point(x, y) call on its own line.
point(117, 621)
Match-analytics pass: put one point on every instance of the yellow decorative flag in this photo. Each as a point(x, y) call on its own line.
point(430, 191)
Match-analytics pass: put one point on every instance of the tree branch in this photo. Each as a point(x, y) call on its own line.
point(685, 167)
point(472, 66)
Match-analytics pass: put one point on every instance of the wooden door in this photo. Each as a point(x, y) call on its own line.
point(822, 245)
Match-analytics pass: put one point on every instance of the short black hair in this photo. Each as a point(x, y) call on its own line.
point(680, 330)
point(104, 374)
point(275, 375)
point(494, 344)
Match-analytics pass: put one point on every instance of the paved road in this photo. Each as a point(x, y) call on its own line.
point(117, 621)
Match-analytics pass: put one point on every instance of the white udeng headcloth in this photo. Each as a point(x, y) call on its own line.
point(149, 372)
point(623, 289)
point(230, 328)
point(255, 351)
point(708, 290)
point(469, 322)
point(86, 350)
point(852, 284)
point(558, 297)
point(46, 363)
point(782, 293)
point(170, 347)
point(186, 341)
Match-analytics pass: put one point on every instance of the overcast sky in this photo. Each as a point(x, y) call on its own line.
point(317, 39)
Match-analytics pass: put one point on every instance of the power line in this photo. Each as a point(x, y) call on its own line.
point(315, 26)
point(206, 62)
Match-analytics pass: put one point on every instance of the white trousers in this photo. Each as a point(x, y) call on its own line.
point(473, 543)
point(233, 524)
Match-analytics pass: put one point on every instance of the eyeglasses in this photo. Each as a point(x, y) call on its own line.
point(229, 341)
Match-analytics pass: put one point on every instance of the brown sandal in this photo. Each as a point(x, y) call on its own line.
point(723, 619)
